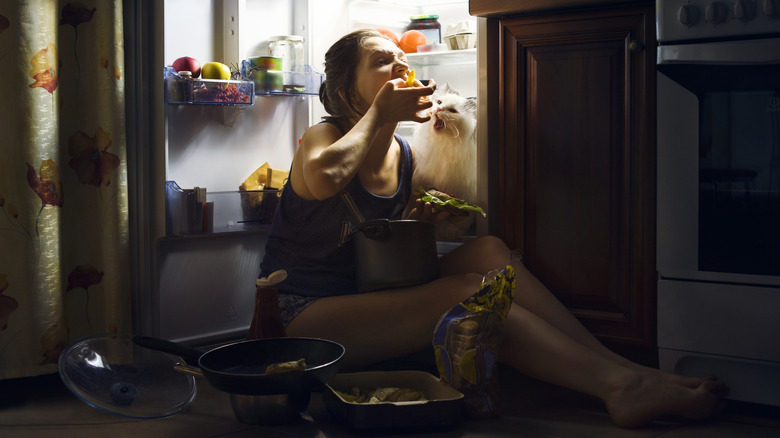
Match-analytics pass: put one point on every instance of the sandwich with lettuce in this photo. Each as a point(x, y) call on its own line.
point(446, 202)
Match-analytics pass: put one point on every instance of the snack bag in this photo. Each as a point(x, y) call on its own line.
point(466, 339)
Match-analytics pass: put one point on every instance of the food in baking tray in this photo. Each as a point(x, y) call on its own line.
point(381, 395)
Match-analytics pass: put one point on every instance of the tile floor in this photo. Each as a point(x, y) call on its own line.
point(43, 407)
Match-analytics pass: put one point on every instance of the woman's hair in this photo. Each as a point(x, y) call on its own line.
point(337, 92)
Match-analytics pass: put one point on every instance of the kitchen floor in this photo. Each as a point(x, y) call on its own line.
point(43, 407)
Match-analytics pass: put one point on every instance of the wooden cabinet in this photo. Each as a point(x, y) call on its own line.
point(571, 157)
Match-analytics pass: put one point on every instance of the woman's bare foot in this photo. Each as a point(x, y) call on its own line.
point(690, 382)
point(646, 396)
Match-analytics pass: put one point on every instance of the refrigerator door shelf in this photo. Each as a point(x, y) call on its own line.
point(188, 91)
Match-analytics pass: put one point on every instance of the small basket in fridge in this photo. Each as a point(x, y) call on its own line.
point(189, 91)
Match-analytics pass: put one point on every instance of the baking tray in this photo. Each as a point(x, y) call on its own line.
point(441, 411)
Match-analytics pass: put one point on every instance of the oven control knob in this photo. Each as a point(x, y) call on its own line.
point(770, 10)
point(716, 13)
point(743, 10)
point(688, 15)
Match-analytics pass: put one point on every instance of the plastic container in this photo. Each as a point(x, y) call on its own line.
point(187, 211)
point(429, 26)
point(184, 90)
point(461, 35)
point(289, 48)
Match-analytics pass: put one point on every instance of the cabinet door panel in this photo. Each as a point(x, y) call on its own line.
point(571, 183)
point(574, 133)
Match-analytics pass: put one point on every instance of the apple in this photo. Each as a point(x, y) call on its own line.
point(215, 70)
point(186, 63)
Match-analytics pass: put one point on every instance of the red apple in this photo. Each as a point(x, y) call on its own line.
point(186, 63)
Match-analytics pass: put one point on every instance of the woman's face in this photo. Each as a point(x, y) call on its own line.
point(380, 61)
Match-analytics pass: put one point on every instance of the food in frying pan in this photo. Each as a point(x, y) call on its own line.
point(380, 395)
point(286, 367)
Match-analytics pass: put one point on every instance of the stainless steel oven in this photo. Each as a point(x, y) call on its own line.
point(719, 192)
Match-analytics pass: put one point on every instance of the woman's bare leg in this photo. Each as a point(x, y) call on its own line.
point(382, 325)
point(633, 398)
point(487, 253)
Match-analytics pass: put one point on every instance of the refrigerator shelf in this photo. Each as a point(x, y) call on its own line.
point(443, 57)
point(277, 83)
point(198, 211)
point(188, 91)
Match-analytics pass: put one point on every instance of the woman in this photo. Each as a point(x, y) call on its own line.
point(356, 150)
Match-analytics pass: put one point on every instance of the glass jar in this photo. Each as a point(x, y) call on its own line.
point(290, 49)
point(428, 25)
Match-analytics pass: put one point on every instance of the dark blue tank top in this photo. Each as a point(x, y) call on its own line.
point(304, 236)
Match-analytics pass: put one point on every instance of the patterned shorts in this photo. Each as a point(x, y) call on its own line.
point(291, 305)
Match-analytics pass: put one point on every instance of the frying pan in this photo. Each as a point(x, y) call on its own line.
point(239, 368)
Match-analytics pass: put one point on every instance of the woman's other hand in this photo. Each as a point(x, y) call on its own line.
point(426, 212)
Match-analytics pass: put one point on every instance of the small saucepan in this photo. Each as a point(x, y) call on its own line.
point(392, 253)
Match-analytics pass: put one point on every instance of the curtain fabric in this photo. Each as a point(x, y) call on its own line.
point(64, 250)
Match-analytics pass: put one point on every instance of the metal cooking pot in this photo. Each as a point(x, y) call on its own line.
point(394, 253)
point(265, 410)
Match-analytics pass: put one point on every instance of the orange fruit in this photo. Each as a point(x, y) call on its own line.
point(410, 40)
point(388, 33)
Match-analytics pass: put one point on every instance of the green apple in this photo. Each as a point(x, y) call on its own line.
point(215, 70)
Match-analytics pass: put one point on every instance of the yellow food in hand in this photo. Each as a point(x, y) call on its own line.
point(410, 79)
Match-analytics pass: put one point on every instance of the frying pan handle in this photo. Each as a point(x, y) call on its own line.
point(189, 354)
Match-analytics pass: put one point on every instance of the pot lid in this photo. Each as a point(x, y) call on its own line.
point(111, 373)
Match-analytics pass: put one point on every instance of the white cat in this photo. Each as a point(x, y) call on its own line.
point(445, 154)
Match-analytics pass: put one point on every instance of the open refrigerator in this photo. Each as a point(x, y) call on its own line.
point(200, 286)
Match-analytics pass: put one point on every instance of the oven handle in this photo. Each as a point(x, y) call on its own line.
point(745, 52)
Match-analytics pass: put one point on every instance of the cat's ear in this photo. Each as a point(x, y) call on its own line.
point(449, 90)
point(471, 105)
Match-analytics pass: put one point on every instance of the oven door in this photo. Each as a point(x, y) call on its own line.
point(718, 224)
point(719, 161)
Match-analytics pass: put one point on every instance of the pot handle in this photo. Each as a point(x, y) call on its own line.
point(352, 207)
point(375, 229)
point(189, 354)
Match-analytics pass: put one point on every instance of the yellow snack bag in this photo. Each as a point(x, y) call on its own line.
point(466, 339)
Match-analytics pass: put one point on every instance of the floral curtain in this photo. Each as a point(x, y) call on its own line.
point(64, 250)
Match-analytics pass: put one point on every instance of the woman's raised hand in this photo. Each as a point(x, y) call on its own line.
point(397, 102)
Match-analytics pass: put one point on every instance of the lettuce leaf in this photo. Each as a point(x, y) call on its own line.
point(442, 200)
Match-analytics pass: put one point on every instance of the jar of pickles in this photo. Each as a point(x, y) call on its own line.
point(289, 48)
point(429, 26)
